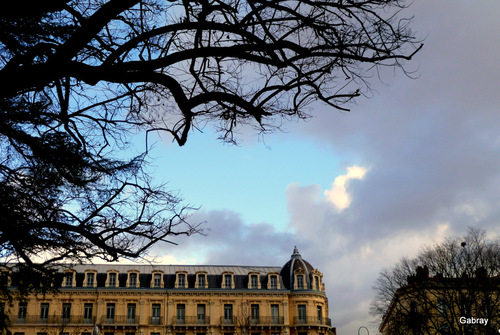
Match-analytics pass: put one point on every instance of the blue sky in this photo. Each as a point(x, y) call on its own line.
point(429, 149)
point(250, 178)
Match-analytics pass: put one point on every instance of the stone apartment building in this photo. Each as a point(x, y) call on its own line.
point(177, 300)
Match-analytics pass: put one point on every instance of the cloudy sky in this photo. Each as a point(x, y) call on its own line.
point(414, 163)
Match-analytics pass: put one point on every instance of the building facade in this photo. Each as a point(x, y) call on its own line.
point(177, 300)
point(436, 305)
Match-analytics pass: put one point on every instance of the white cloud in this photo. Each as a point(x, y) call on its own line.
point(338, 195)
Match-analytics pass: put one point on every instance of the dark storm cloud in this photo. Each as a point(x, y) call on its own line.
point(432, 147)
point(432, 150)
point(229, 241)
point(432, 144)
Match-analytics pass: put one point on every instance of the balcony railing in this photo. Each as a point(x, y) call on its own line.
point(120, 320)
point(312, 321)
point(54, 320)
point(266, 320)
point(156, 320)
point(228, 320)
point(191, 320)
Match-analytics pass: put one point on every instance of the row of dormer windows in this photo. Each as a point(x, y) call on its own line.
point(157, 281)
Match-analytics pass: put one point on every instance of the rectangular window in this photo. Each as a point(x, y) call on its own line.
point(44, 312)
point(254, 314)
point(87, 313)
point(254, 281)
point(300, 281)
point(90, 279)
point(66, 312)
point(316, 283)
point(228, 314)
point(132, 280)
point(68, 279)
point(157, 280)
point(302, 314)
point(227, 281)
point(181, 313)
point(21, 313)
point(201, 314)
point(485, 306)
point(155, 314)
point(131, 313)
point(201, 280)
point(319, 312)
point(442, 308)
point(274, 282)
point(182, 280)
point(112, 280)
point(275, 314)
point(110, 313)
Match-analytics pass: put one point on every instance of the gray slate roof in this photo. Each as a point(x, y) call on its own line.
point(172, 269)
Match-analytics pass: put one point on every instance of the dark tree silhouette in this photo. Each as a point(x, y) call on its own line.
point(79, 78)
point(430, 293)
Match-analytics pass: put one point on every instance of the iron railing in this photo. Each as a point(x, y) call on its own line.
point(312, 321)
point(54, 319)
point(120, 320)
point(191, 320)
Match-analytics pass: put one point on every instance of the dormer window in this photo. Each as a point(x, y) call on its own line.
point(157, 280)
point(133, 279)
point(5, 278)
point(181, 279)
point(300, 282)
point(68, 279)
point(201, 280)
point(253, 281)
point(227, 280)
point(90, 279)
point(112, 279)
point(273, 281)
point(316, 280)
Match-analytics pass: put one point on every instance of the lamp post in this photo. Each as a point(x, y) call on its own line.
point(367, 331)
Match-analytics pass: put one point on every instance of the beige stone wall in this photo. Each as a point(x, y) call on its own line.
point(285, 323)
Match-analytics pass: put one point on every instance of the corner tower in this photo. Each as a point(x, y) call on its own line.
point(297, 273)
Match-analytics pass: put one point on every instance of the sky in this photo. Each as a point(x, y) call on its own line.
point(417, 161)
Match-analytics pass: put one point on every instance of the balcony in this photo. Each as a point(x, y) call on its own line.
point(54, 320)
point(156, 320)
point(228, 321)
point(120, 320)
point(200, 320)
point(312, 321)
point(266, 320)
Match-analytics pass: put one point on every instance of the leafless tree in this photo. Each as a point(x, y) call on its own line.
point(431, 292)
point(79, 78)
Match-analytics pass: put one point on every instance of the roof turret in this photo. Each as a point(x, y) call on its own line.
point(296, 263)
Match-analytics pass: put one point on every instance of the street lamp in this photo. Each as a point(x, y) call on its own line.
point(367, 331)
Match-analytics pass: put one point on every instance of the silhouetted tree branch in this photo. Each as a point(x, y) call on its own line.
point(79, 78)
